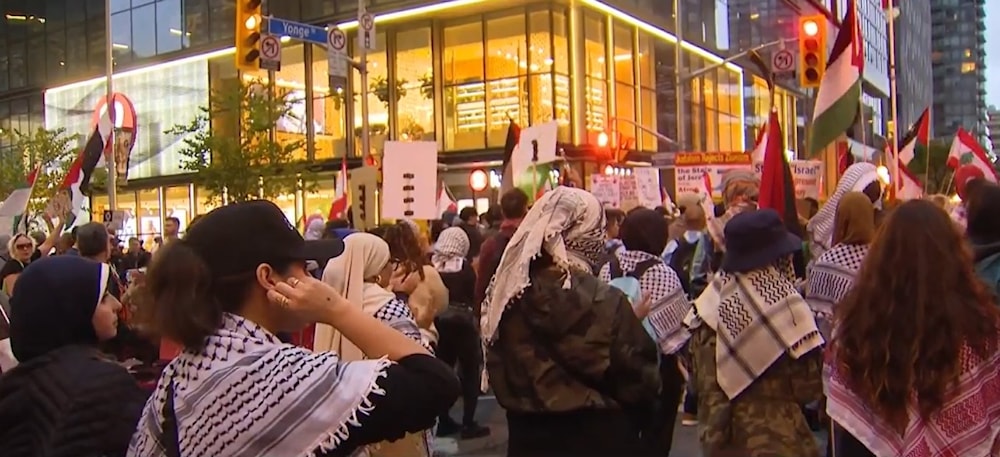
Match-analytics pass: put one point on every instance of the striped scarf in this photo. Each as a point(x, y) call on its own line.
point(831, 277)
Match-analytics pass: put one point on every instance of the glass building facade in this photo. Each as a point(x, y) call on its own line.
point(450, 72)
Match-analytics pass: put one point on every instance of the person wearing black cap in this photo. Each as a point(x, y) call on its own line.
point(756, 346)
point(222, 292)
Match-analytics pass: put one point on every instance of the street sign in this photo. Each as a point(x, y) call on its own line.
point(366, 28)
point(336, 58)
point(783, 63)
point(297, 30)
point(664, 160)
point(270, 53)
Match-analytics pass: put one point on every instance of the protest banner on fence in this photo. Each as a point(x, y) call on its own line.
point(807, 174)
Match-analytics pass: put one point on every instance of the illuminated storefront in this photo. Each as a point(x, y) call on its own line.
point(453, 72)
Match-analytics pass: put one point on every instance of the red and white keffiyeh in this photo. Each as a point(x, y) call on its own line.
point(968, 425)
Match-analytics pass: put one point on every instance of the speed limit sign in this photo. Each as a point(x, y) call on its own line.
point(783, 62)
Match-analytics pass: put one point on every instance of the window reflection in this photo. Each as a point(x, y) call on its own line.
point(414, 68)
point(196, 22)
point(465, 95)
point(328, 109)
point(143, 31)
point(379, 91)
point(148, 214)
point(178, 204)
point(170, 34)
point(506, 90)
point(119, 5)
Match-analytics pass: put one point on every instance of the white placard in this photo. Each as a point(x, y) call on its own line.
point(806, 174)
point(605, 188)
point(544, 135)
point(647, 186)
point(409, 180)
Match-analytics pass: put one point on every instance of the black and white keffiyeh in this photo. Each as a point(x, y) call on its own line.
point(670, 304)
point(247, 393)
point(831, 277)
point(856, 178)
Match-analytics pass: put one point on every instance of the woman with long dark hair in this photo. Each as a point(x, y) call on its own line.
point(914, 361)
point(415, 277)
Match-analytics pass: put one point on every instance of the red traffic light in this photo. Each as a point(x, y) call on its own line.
point(810, 28)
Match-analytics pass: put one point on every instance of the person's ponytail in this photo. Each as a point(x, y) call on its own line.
point(178, 300)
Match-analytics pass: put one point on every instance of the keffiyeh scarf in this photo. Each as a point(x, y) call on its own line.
point(670, 304)
point(757, 317)
point(831, 277)
point(568, 224)
point(856, 178)
point(968, 425)
point(246, 393)
point(450, 250)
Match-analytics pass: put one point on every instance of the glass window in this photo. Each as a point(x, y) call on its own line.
point(624, 71)
point(647, 70)
point(560, 84)
point(595, 66)
point(18, 66)
point(221, 14)
point(291, 80)
point(625, 112)
point(594, 34)
point(415, 71)
point(540, 42)
point(120, 5)
point(287, 204)
point(379, 93)
point(465, 92)
point(55, 53)
point(506, 62)
point(201, 203)
point(36, 60)
point(121, 36)
point(170, 34)
point(178, 204)
point(96, 47)
point(647, 118)
point(98, 205)
point(76, 52)
point(143, 31)
point(318, 203)
point(127, 203)
point(196, 30)
point(560, 39)
point(328, 110)
point(4, 67)
point(148, 215)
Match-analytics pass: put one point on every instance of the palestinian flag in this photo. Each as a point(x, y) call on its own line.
point(93, 152)
point(840, 91)
point(918, 133)
point(777, 188)
point(537, 180)
point(14, 207)
point(910, 187)
point(71, 190)
point(446, 202)
point(513, 137)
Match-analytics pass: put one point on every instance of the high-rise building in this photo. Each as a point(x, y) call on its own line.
point(993, 128)
point(958, 40)
point(914, 77)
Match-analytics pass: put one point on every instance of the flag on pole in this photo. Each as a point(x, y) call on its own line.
point(707, 203)
point(93, 151)
point(15, 206)
point(910, 187)
point(760, 145)
point(338, 208)
point(510, 145)
point(845, 158)
point(70, 202)
point(777, 188)
point(919, 133)
point(840, 90)
point(446, 202)
point(965, 150)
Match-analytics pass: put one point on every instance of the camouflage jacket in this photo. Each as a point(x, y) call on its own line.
point(561, 350)
point(765, 420)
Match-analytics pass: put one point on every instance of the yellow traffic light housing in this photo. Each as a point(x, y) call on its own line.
point(812, 50)
point(248, 29)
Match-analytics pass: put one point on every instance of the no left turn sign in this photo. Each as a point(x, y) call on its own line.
point(270, 48)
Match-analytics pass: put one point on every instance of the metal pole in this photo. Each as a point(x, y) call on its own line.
point(110, 102)
point(678, 73)
point(892, 99)
point(363, 69)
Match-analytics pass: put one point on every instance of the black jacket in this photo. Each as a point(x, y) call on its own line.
point(70, 402)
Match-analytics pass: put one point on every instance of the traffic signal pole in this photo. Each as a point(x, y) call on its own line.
point(894, 127)
point(109, 69)
point(363, 70)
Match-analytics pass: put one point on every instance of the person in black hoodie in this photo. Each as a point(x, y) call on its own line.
point(983, 230)
point(65, 398)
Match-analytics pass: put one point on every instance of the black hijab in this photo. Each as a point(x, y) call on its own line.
point(54, 305)
point(644, 230)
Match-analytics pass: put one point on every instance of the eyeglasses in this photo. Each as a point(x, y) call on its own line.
point(22, 246)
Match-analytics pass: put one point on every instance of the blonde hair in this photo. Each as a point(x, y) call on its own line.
point(13, 241)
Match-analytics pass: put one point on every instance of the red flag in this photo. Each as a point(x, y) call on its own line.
point(777, 189)
point(338, 208)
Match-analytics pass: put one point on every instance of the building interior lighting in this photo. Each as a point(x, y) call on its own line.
point(149, 69)
point(179, 32)
point(119, 46)
point(24, 18)
point(396, 15)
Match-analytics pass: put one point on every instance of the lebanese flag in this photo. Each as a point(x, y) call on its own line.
point(446, 203)
point(840, 90)
point(15, 205)
point(919, 133)
point(707, 203)
point(777, 188)
point(338, 208)
point(965, 150)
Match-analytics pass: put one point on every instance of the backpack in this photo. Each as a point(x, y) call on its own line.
point(682, 260)
point(628, 282)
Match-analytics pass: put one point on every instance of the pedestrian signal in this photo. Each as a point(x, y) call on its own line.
point(812, 49)
point(248, 28)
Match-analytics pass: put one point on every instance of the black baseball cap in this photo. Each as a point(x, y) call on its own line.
point(235, 239)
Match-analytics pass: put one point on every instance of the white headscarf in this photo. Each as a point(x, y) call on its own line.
point(856, 178)
point(314, 230)
point(568, 224)
point(450, 250)
point(364, 257)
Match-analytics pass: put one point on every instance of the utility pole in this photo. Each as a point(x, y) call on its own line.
point(109, 62)
point(678, 74)
point(363, 70)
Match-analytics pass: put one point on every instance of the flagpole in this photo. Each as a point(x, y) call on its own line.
point(894, 129)
point(110, 106)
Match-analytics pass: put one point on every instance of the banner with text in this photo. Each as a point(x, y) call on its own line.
point(691, 167)
point(606, 189)
point(807, 174)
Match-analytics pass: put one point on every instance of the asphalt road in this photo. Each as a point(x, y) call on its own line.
point(492, 415)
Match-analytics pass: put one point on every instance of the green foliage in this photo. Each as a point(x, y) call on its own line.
point(937, 180)
point(253, 164)
point(51, 151)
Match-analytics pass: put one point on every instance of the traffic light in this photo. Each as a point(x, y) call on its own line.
point(812, 50)
point(248, 27)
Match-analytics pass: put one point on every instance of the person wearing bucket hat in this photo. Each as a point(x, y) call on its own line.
point(748, 352)
point(222, 292)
